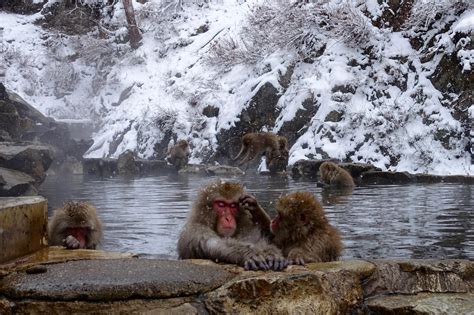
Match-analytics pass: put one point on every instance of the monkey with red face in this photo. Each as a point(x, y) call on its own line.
point(75, 225)
point(224, 227)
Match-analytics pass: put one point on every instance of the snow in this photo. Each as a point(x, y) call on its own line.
point(134, 97)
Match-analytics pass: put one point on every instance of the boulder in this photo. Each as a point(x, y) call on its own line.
point(32, 159)
point(14, 183)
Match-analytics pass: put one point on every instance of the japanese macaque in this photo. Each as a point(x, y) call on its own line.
point(178, 155)
point(335, 176)
point(75, 225)
point(302, 231)
point(278, 163)
point(256, 144)
point(225, 226)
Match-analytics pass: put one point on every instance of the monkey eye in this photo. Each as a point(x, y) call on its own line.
point(233, 205)
point(221, 204)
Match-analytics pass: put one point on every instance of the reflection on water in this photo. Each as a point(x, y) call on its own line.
point(145, 215)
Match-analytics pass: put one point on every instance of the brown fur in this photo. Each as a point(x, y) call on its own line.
point(248, 246)
point(256, 144)
point(278, 160)
point(75, 215)
point(178, 155)
point(334, 175)
point(303, 232)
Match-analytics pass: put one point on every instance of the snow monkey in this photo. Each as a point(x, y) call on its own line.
point(278, 163)
point(178, 155)
point(256, 144)
point(302, 231)
point(334, 175)
point(225, 226)
point(75, 225)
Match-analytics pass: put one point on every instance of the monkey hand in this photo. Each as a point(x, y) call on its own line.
point(248, 202)
point(295, 257)
point(255, 260)
point(71, 242)
point(275, 259)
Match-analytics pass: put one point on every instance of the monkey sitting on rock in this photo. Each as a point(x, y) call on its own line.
point(178, 155)
point(274, 147)
point(75, 225)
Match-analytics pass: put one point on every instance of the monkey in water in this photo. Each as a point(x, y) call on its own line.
point(335, 176)
point(178, 155)
point(224, 226)
point(302, 231)
point(75, 225)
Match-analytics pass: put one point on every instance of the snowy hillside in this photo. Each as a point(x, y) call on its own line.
point(391, 92)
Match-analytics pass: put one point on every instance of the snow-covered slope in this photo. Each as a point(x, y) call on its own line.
point(375, 101)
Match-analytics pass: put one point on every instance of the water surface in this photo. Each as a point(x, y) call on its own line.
point(145, 215)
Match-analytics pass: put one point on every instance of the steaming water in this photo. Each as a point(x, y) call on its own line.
point(145, 215)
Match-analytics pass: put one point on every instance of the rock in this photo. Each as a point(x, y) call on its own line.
point(211, 170)
point(356, 169)
point(421, 304)
point(115, 279)
point(23, 222)
point(413, 277)
point(210, 111)
point(306, 169)
point(100, 167)
point(14, 183)
point(296, 127)
point(32, 159)
point(289, 292)
point(385, 178)
point(223, 170)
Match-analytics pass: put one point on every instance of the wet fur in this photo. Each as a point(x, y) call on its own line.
point(75, 215)
point(303, 230)
point(199, 238)
point(334, 175)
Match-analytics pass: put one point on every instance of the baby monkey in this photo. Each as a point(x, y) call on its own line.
point(302, 231)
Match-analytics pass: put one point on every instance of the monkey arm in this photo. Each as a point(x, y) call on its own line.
point(198, 241)
point(259, 215)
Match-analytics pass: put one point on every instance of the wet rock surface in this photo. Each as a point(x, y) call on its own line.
point(203, 287)
point(107, 280)
point(366, 174)
point(423, 303)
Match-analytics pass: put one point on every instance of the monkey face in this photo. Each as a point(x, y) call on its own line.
point(226, 211)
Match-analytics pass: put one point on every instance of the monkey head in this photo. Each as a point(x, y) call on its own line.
point(327, 169)
point(298, 215)
point(78, 220)
point(221, 201)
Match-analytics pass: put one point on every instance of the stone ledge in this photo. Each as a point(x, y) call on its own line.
point(203, 287)
point(23, 225)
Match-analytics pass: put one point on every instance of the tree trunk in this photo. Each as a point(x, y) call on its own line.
point(133, 31)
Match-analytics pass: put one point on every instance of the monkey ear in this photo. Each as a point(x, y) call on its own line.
point(304, 218)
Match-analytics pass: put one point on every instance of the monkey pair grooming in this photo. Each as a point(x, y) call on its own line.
point(334, 175)
point(75, 225)
point(228, 225)
point(225, 225)
point(178, 155)
point(273, 146)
